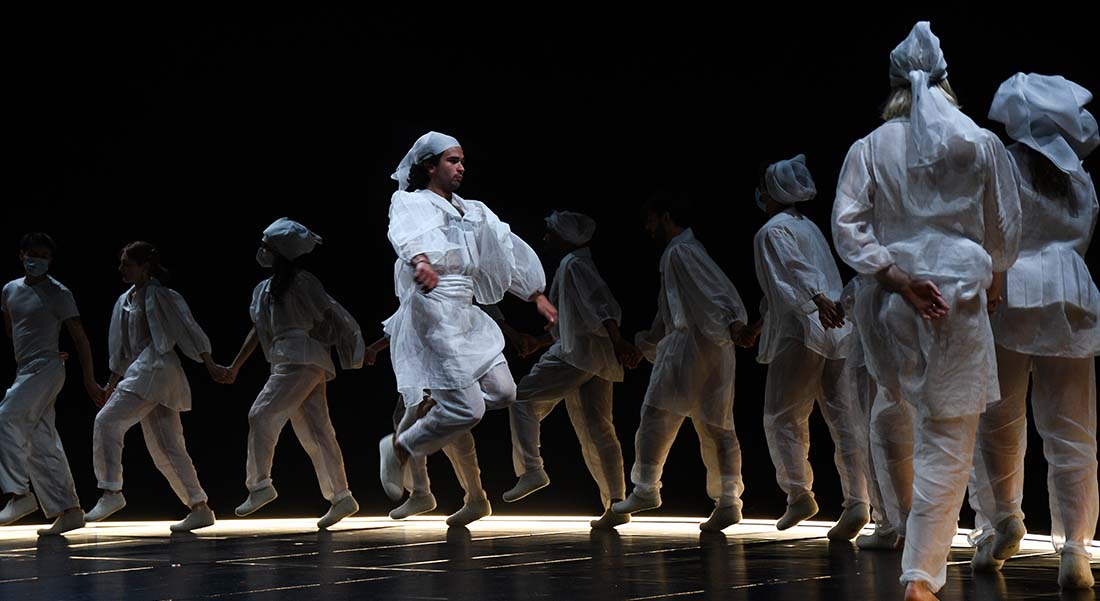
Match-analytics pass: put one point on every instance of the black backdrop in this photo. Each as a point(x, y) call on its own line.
point(194, 131)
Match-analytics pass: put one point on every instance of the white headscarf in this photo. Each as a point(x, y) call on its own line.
point(935, 123)
point(789, 181)
point(428, 145)
point(1046, 112)
point(574, 228)
point(290, 238)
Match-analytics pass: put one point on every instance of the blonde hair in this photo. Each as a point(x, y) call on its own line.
point(900, 102)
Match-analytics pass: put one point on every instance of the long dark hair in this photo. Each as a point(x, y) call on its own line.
point(418, 173)
point(283, 273)
point(145, 253)
point(1050, 181)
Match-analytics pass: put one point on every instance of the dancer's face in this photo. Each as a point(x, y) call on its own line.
point(771, 207)
point(131, 270)
point(554, 242)
point(447, 175)
point(656, 225)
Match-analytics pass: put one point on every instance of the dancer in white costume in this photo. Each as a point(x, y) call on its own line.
point(586, 356)
point(31, 455)
point(691, 346)
point(455, 251)
point(462, 454)
point(927, 209)
point(297, 324)
point(1048, 326)
point(148, 385)
point(804, 341)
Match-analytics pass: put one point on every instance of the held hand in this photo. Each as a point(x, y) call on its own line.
point(747, 338)
point(220, 373)
point(370, 356)
point(547, 309)
point(831, 314)
point(625, 352)
point(108, 392)
point(426, 277)
point(926, 300)
point(995, 294)
point(95, 392)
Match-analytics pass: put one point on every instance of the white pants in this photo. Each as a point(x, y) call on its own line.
point(30, 448)
point(1063, 403)
point(588, 402)
point(461, 452)
point(865, 390)
point(892, 456)
point(163, 434)
point(719, 447)
point(943, 451)
point(456, 412)
point(295, 393)
point(796, 377)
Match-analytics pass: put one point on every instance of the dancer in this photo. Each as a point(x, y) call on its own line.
point(586, 356)
point(456, 251)
point(1048, 326)
point(35, 306)
point(927, 209)
point(148, 385)
point(691, 346)
point(804, 341)
point(297, 324)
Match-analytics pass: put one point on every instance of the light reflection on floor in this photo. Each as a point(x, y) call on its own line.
point(497, 558)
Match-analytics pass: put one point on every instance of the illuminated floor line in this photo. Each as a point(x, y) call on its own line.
point(101, 572)
point(400, 546)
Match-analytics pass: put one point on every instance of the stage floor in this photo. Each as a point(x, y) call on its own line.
point(497, 558)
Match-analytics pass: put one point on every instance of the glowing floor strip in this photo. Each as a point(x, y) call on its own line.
point(128, 533)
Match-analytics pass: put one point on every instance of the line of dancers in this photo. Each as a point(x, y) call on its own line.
point(970, 282)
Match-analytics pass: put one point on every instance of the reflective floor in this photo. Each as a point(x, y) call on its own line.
point(497, 558)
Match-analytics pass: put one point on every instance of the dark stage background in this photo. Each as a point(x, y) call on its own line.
point(194, 131)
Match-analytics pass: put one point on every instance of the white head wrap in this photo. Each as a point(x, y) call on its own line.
point(290, 238)
point(428, 145)
point(935, 123)
point(789, 181)
point(1046, 112)
point(574, 228)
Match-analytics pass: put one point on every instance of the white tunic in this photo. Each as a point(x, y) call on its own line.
point(440, 339)
point(694, 361)
point(1052, 307)
point(145, 330)
point(794, 264)
point(303, 326)
point(955, 223)
point(584, 302)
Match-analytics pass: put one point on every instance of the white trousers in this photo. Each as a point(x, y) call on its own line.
point(943, 451)
point(461, 452)
point(295, 393)
point(588, 402)
point(163, 434)
point(456, 412)
point(796, 378)
point(719, 447)
point(1063, 403)
point(30, 447)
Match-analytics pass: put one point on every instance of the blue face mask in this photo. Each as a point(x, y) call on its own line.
point(36, 267)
